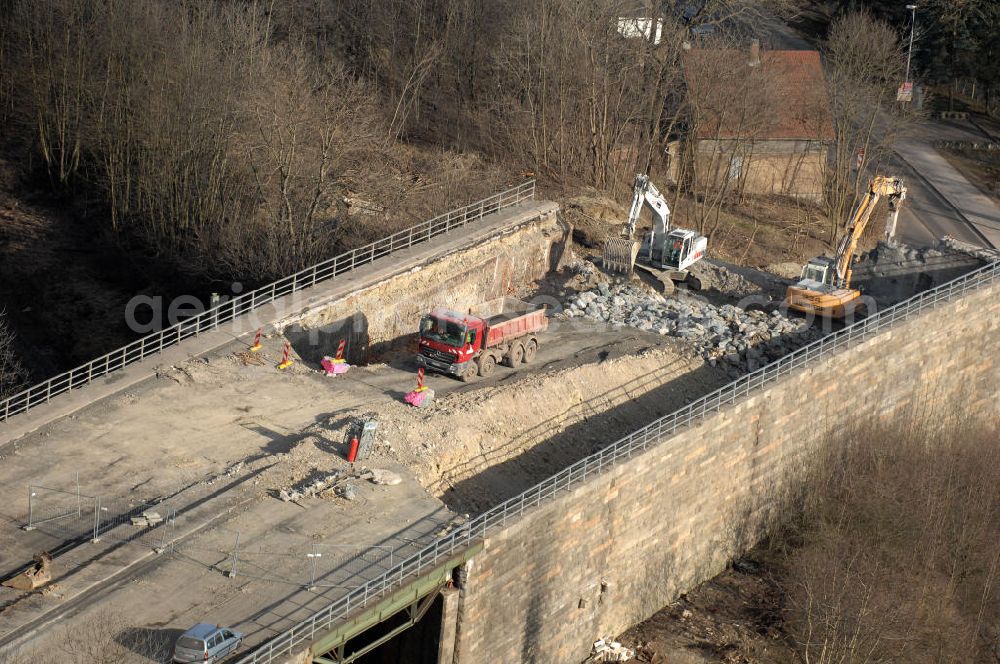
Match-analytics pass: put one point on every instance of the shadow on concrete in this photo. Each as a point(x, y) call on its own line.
point(891, 275)
point(151, 643)
point(548, 448)
point(298, 604)
point(313, 344)
point(278, 442)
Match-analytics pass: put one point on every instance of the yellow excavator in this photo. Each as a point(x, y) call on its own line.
point(825, 287)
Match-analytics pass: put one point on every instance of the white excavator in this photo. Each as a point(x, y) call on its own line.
point(825, 287)
point(664, 253)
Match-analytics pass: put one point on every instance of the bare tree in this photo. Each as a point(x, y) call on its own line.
point(732, 102)
point(896, 559)
point(11, 373)
point(865, 63)
point(306, 135)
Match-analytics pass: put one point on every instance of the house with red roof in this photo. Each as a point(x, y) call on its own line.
point(759, 122)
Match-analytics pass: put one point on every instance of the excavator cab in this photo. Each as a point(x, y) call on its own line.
point(662, 248)
point(819, 271)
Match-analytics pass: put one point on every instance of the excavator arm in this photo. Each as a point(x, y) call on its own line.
point(646, 193)
point(825, 286)
point(893, 188)
point(620, 253)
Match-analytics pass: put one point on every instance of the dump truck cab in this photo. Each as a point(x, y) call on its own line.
point(449, 340)
point(466, 345)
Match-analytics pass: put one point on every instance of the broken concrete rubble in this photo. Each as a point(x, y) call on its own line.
point(607, 650)
point(739, 339)
point(314, 487)
point(385, 477)
point(339, 483)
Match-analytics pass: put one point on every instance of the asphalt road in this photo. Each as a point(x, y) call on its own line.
point(940, 200)
point(973, 216)
point(926, 215)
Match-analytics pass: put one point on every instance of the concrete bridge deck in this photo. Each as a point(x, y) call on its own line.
point(268, 316)
point(214, 439)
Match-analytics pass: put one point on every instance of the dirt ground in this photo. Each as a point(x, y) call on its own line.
point(474, 450)
point(735, 618)
point(759, 233)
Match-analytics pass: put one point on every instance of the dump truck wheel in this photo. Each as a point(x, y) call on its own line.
point(487, 363)
point(515, 356)
point(530, 349)
point(469, 373)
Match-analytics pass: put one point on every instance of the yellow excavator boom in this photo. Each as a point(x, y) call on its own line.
point(825, 286)
point(881, 185)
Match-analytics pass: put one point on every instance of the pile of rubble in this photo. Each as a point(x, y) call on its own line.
point(609, 650)
point(738, 339)
point(338, 483)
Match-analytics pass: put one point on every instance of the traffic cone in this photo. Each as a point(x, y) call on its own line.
point(286, 360)
point(256, 342)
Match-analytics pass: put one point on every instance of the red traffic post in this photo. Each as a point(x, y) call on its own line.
point(340, 351)
point(352, 453)
point(422, 395)
point(286, 360)
point(256, 342)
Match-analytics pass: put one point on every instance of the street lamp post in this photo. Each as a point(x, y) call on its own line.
point(909, 52)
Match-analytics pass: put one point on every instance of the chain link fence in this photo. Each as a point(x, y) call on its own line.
point(60, 509)
point(72, 516)
point(154, 343)
point(635, 443)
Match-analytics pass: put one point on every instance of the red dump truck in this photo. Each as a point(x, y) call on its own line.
point(467, 345)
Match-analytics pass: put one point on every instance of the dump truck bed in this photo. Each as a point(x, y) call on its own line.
point(508, 318)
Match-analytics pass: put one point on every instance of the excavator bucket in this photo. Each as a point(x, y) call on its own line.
point(620, 254)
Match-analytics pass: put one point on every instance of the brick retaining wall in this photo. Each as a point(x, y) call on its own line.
point(623, 545)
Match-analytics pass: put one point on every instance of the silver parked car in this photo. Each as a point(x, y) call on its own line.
point(206, 643)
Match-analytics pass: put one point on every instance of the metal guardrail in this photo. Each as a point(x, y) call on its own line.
point(639, 441)
point(154, 343)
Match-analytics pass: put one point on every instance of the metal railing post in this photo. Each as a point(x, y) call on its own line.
point(43, 392)
point(97, 520)
point(236, 557)
point(31, 508)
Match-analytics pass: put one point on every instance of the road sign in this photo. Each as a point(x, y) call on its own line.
point(905, 92)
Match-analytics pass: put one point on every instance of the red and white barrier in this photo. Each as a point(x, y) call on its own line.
point(334, 366)
point(286, 359)
point(421, 396)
